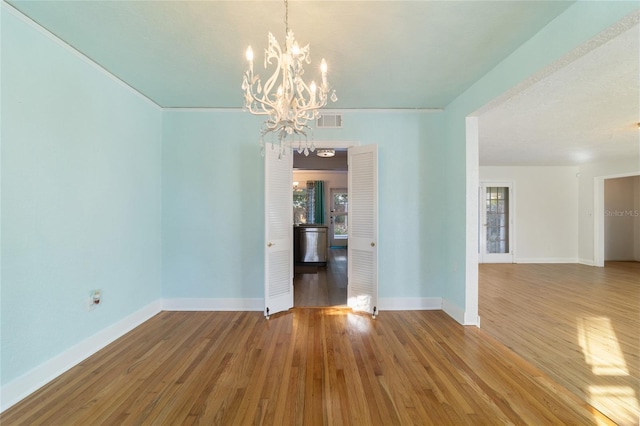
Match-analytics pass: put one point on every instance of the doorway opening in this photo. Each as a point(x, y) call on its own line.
point(617, 218)
point(320, 237)
point(362, 248)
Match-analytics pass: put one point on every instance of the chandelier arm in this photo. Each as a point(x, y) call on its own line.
point(261, 102)
point(305, 54)
point(314, 107)
point(264, 100)
point(302, 124)
point(273, 52)
point(258, 112)
point(322, 90)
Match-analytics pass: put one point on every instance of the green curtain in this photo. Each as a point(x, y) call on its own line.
point(319, 198)
point(315, 201)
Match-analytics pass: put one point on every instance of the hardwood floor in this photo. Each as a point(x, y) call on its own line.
point(305, 367)
point(578, 324)
point(323, 285)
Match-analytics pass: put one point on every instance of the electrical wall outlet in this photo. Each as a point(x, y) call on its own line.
point(94, 299)
point(95, 296)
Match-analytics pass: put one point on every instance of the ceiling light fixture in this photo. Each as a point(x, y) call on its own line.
point(326, 153)
point(285, 98)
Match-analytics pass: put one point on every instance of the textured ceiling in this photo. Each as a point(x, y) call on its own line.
point(381, 54)
point(584, 111)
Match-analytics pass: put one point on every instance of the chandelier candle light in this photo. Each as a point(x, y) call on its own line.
point(285, 98)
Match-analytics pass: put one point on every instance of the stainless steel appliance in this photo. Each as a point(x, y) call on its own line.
point(311, 244)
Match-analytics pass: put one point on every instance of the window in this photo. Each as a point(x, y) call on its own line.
point(299, 205)
point(339, 210)
point(497, 205)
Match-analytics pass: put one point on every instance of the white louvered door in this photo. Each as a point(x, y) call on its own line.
point(362, 251)
point(278, 259)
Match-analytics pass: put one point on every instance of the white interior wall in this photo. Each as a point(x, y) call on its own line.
point(619, 221)
point(546, 206)
point(636, 218)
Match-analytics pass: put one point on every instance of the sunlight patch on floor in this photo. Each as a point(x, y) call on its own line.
point(361, 302)
point(624, 397)
point(600, 347)
point(359, 323)
point(603, 354)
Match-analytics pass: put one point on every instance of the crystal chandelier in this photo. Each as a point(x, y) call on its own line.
point(287, 101)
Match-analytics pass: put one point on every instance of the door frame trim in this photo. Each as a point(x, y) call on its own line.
point(470, 315)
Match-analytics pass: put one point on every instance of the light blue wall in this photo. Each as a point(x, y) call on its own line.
point(213, 202)
point(80, 198)
point(580, 23)
point(410, 212)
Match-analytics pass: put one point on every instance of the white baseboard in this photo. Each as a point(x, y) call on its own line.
point(588, 262)
point(196, 304)
point(453, 311)
point(458, 314)
point(410, 303)
point(546, 260)
point(28, 383)
point(471, 320)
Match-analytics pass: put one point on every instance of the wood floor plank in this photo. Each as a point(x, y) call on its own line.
point(578, 324)
point(322, 286)
point(330, 366)
point(325, 366)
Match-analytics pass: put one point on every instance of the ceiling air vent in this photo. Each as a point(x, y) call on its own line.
point(329, 121)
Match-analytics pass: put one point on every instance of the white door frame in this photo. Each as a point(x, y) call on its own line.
point(598, 215)
point(470, 314)
point(483, 256)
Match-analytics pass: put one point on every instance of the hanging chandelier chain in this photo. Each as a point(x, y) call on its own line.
point(286, 17)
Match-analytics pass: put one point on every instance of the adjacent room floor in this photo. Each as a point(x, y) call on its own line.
point(579, 324)
point(316, 286)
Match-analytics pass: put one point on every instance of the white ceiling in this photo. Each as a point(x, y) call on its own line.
point(584, 111)
point(381, 54)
